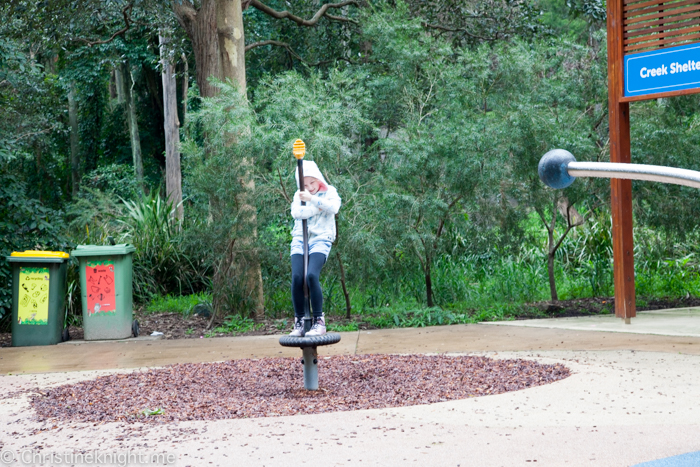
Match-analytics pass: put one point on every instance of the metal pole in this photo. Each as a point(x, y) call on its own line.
point(310, 354)
point(310, 361)
point(299, 151)
point(558, 169)
point(305, 230)
point(652, 173)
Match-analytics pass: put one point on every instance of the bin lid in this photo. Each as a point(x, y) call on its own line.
point(37, 256)
point(103, 250)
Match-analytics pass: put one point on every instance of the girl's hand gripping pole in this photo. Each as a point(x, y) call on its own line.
point(299, 150)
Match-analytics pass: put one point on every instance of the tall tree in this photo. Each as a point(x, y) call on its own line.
point(216, 30)
point(74, 149)
point(127, 82)
point(173, 174)
point(217, 33)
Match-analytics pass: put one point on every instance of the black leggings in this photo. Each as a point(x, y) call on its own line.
point(316, 262)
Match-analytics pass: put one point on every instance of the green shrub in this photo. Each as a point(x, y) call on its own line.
point(163, 262)
point(162, 265)
point(115, 179)
point(25, 224)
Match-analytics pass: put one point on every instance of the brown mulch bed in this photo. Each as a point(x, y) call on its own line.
point(274, 387)
point(172, 325)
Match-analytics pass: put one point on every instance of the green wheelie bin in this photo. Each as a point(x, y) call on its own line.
point(106, 290)
point(38, 297)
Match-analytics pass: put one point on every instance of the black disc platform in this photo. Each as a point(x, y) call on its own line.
point(314, 341)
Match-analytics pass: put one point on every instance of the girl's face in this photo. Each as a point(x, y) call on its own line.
point(311, 185)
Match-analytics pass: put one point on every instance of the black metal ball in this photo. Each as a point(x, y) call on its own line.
point(552, 169)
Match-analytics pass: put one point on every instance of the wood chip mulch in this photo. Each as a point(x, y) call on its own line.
point(274, 387)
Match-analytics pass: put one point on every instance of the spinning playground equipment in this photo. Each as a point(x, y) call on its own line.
point(558, 169)
point(308, 345)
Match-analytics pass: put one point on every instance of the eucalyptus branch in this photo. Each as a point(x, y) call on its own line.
point(420, 258)
point(544, 221)
point(126, 14)
point(459, 30)
point(268, 42)
point(441, 225)
point(301, 21)
point(341, 19)
point(563, 236)
point(569, 226)
point(291, 51)
point(29, 135)
point(284, 190)
point(185, 13)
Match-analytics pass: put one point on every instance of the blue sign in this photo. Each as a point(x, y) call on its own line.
point(663, 70)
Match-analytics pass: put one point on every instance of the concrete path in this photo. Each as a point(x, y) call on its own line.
point(632, 398)
point(677, 322)
point(137, 353)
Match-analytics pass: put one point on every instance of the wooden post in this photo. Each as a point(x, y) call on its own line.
point(620, 190)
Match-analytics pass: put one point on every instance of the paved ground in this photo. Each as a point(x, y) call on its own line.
point(677, 322)
point(632, 398)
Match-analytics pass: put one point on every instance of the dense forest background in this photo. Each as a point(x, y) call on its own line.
point(428, 117)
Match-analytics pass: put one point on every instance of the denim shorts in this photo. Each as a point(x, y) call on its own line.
point(315, 246)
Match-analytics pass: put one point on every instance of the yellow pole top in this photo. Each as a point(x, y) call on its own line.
point(299, 149)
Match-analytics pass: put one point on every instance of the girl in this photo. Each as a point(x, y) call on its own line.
point(322, 204)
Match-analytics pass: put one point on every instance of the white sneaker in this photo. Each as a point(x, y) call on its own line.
point(319, 327)
point(298, 327)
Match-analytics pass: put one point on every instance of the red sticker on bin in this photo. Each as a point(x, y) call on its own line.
point(99, 278)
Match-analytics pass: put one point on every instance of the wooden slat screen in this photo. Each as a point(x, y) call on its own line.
point(649, 25)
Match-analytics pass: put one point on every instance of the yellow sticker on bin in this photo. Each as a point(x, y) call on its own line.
point(33, 296)
point(40, 254)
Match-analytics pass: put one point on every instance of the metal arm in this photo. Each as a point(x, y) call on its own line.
point(652, 173)
point(558, 169)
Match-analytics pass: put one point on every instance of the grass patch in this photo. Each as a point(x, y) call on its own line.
point(170, 304)
point(347, 327)
point(234, 324)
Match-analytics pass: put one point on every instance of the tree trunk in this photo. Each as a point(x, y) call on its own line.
point(550, 272)
point(185, 88)
point(428, 283)
point(130, 101)
point(173, 174)
point(216, 32)
point(550, 259)
point(348, 308)
point(121, 88)
point(251, 263)
point(113, 86)
point(74, 149)
point(229, 30)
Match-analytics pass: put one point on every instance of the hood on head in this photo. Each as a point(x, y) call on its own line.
point(311, 170)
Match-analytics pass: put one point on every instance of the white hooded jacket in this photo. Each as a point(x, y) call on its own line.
point(320, 211)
